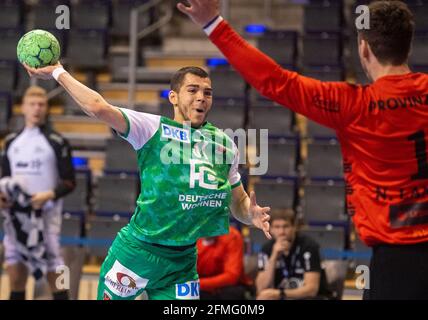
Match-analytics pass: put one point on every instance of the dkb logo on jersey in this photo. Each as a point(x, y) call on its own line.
point(203, 173)
point(179, 134)
point(187, 291)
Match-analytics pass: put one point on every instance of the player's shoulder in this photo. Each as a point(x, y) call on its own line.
point(306, 242)
point(10, 137)
point(54, 136)
point(131, 114)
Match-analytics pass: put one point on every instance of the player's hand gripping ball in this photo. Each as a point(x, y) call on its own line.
point(38, 48)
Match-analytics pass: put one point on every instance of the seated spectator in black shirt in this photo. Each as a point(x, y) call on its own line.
point(289, 264)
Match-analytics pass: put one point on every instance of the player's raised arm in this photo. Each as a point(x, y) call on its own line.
point(91, 102)
point(329, 103)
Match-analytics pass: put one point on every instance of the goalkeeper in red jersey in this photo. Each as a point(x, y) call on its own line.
point(382, 129)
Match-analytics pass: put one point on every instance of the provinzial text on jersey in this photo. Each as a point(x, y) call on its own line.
point(398, 103)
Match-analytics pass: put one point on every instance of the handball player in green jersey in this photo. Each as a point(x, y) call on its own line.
point(189, 184)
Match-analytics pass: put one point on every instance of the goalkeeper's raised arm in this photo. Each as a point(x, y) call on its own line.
point(91, 102)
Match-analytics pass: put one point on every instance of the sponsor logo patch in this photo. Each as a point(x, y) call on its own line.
point(179, 134)
point(123, 282)
point(187, 291)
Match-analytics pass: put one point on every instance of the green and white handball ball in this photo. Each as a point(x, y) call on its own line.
point(38, 48)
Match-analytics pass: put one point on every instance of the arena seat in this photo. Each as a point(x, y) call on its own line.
point(225, 116)
point(324, 202)
point(95, 44)
point(9, 39)
point(8, 76)
point(5, 111)
point(227, 84)
point(101, 233)
point(330, 239)
point(91, 14)
point(276, 194)
point(77, 201)
point(109, 201)
point(280, 46)
point(315, 130)
point(121, 10)
point(324, 159)
point(282, 157)
point(322, 48)
point(323, 16)
point(11, 13)
point(277, 119)
point(120, 157)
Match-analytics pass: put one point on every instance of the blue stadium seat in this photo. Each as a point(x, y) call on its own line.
point(23, 81)
point(94, 54)
point(278, 194)
point(227, 85)
point(121, 10)
point(283, 156)
point(322, 48)
point(315, 130)
point(324, 159)
point(420, 12)
point(323, 16)
point(323, 202)
point(362, 252)
point(277, 119)
point(11, 13)
point(330, 239)
point(72, 228)
point(9, 40)
point(78, 200)
point(325, 73)
point(120, 157)
point(280, 46)
point(224, 116)
point(44, 15)
point(5, 111)
point(101, 233)
point(419, 54)
point(8, 76)
point(91, 14)
point(108, 201)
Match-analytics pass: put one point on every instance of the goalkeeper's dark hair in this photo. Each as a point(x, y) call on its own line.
point(178, 77)
point(391, 31)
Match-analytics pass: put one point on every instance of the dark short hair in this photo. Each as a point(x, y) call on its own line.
point(283, 214)
point(391, 31)
point(177, 78)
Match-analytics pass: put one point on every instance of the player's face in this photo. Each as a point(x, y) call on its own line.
point(280, 228)
point(35, 110)
point(193, 101)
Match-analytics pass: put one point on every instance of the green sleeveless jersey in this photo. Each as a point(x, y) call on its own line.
point(186, 179)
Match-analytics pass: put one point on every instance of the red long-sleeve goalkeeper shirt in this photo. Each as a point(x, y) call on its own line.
point(382, 129)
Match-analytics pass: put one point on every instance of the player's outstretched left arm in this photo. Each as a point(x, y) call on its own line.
point(247, 211)
point(91, 102)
